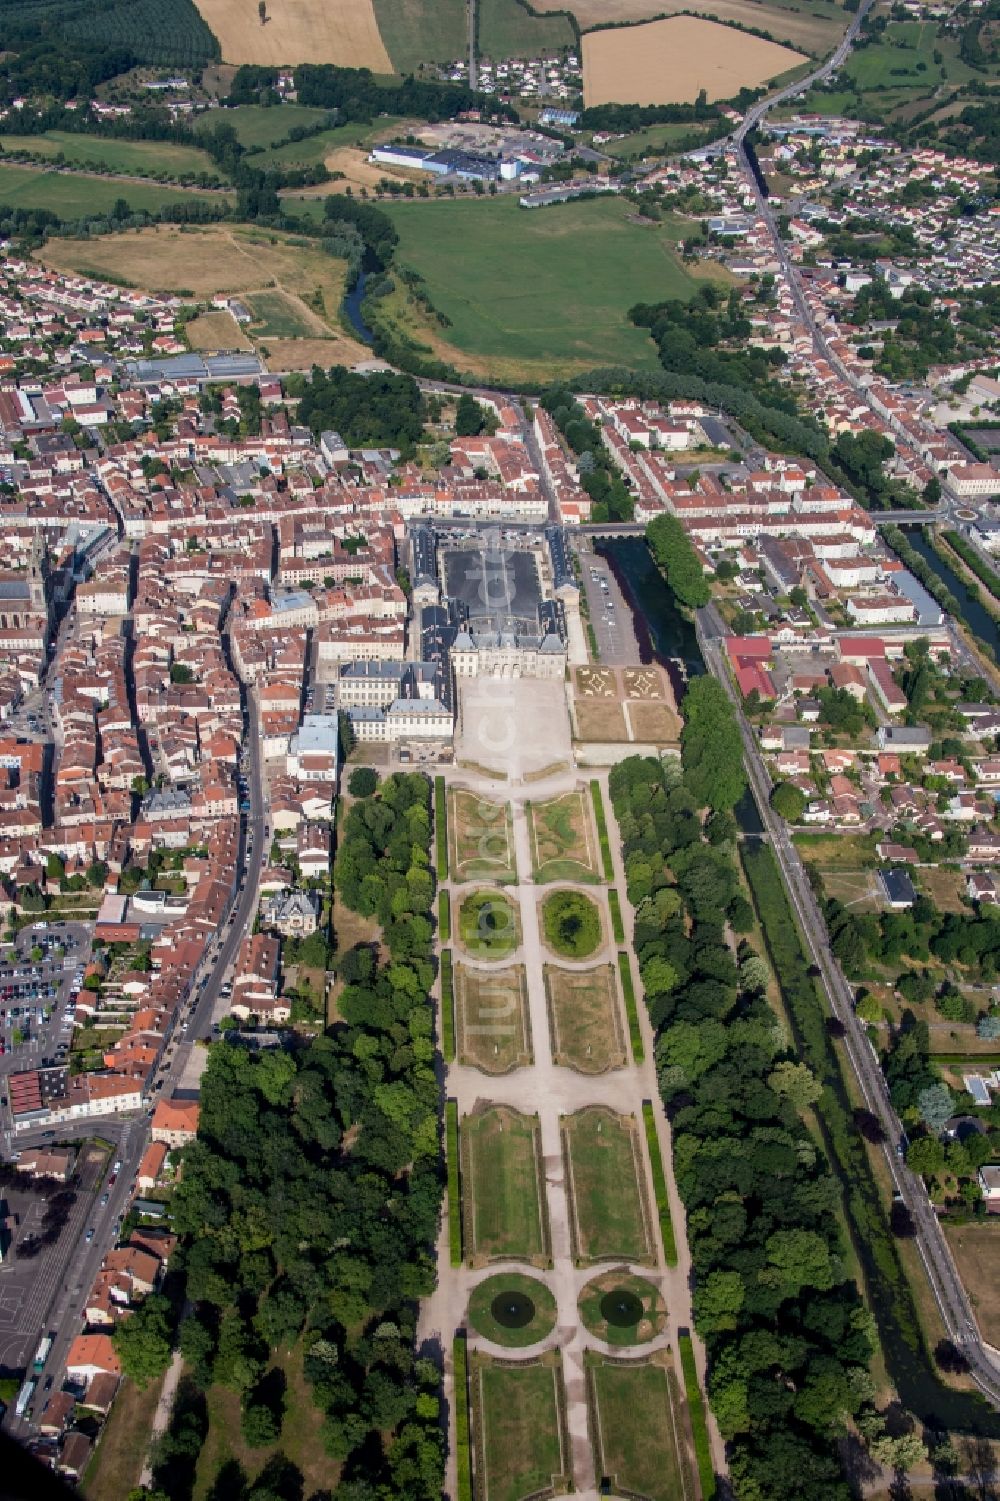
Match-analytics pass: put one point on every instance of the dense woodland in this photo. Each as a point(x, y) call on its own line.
point(787, 1335)
point(309, 1203)
point(367, 410)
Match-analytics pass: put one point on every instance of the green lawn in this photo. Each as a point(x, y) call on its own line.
point(74, 196)
point(144, 157)
point(277, 317)
point(895, 61)
point(507, 28)
point(540, 291)
point(483, 1300)
point(636, 1448)
point(664, 139)
point(257, 126)
point(488, 925)
point(318, 147)
point(415, 32)
point(501, 1193)
point(517, 1428)
point(608, 1210)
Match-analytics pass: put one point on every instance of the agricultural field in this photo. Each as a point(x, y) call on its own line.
point(584, 1019)
point(622, 1309)
point(638, 1442)
point(216, 331)
point(415, 32)
point(503, 1196)
point(491, 1015)
point(488, 925)
point(75, 195)
point(976, 1249)
point(298, 31)
point(129, 158)
point(537, 294)
point(563, 842)
point(812, 26)
point(262, 125)
point(481, 838)
point(671, 61)
point(517, 1426)
point(506, 28)
point(610, 1218)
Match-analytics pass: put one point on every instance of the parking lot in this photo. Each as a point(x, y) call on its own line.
point(609, 614)
point(40, 978)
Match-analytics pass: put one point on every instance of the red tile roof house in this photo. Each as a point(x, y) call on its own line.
point(91, 1355)
point(175, 1122)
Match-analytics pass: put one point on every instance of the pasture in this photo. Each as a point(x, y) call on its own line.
point(671, 61)
point(508, 29)
point(480, 837)
point(261, 125)
point(638, 1443)
point(563, 843)
point(75, 195)
point(610, 1219)
point(903, 57)
point(517, 1428)
point(488, 925)
point(585, 1022)
point(298, 31)
point(414, 32)
point(541, 293)
point(491, 1011)
point(809, 25)
point(130, 158)
point(320, 148)
point(503, 1196)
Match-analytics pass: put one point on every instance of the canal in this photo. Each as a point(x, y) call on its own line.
point(974, 613)
point(665, 634)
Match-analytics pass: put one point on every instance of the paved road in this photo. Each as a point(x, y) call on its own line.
point(956, 1311)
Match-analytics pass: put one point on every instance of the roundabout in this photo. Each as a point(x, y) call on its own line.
point(512, 1309)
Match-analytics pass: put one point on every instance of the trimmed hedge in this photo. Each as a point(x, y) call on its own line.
point(444, 916)
point(454, 1188)
point(602, 830)
point(441, 827)
point(696, 1412)
point(463, 1446)
point(447, 1008)
point(631, 1009)
point(659, 1185)
point(615, 908)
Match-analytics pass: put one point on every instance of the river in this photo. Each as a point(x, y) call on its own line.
point(976, 616)
point(351, 305)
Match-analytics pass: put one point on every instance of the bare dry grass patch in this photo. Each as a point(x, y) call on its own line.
point(491, 1010)
point(600, 721)
point(584, 1019)
point(216, 331)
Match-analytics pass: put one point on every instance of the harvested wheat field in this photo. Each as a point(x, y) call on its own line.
point(298, 31)
point(813, 25)
point(671, 61)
